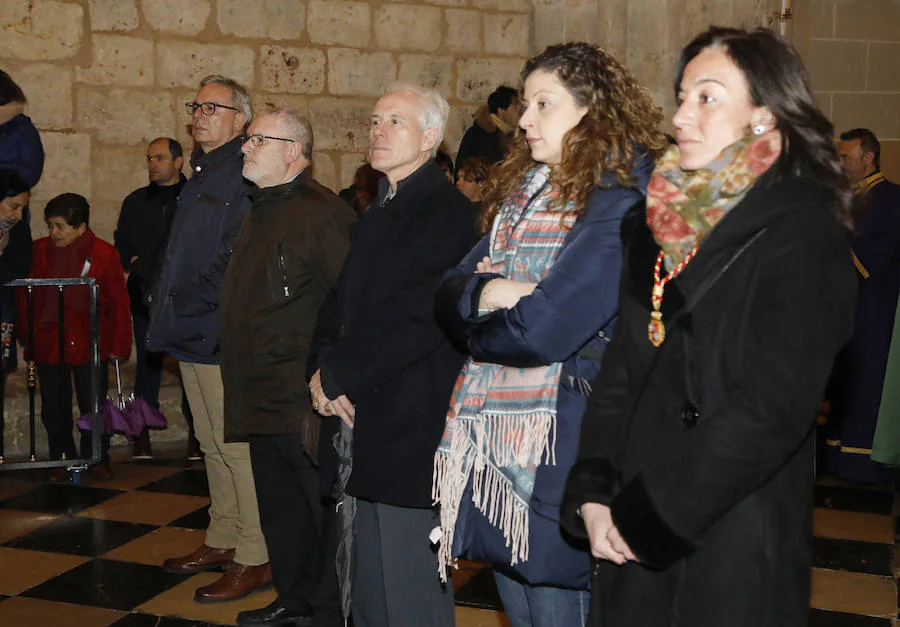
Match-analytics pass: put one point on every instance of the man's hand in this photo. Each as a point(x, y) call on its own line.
point(316, 393)
point(340, 407)
point(343, 409)
point(602, 534)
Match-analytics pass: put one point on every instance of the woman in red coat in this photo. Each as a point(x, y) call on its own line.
point(72, 250)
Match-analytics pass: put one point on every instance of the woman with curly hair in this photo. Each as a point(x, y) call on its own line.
point(695, 471)
point(535, 303)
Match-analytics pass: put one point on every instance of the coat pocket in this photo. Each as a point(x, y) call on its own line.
point(277, 274)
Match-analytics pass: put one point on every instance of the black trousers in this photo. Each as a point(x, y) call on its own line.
point(149, 365)
point(298, 526)
point(56, 406)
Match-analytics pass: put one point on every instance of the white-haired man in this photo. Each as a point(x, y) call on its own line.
point(387, 370)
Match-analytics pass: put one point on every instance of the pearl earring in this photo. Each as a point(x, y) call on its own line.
point(759, 129)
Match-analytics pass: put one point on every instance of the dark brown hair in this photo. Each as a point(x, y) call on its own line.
point(778, 80)
point(867, 141)
point(9, 90)
point(73, 208)
point(474, 169)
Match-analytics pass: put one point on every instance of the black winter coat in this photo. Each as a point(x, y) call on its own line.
point(703, 447)
point(15, 259)
point(143, 225)
point(285, 264)
point(382, 345)
point(482, 142)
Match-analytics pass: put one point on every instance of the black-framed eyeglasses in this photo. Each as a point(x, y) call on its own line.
point(259, 140)
point(206, 108)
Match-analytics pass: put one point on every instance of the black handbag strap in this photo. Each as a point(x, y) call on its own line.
point(703, 288)
point(689, 304)
point(692, 301)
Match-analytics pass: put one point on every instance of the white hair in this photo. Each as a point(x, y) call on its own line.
point(435, 109)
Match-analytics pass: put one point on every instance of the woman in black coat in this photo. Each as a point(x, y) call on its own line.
point(695, 470)
point(15, 258)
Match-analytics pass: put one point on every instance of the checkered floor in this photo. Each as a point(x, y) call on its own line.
point(88, 555)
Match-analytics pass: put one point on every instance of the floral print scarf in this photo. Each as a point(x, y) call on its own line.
point(684, 206)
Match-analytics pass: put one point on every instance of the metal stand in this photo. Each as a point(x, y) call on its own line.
point(76, 466)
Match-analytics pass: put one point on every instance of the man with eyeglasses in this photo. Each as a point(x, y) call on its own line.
point(286, 263)
point(184, 322)
point(140, 235)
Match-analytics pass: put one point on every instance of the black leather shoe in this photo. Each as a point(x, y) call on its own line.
point(274, 614)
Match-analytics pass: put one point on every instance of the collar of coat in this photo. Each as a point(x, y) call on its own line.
point(266, 194)
point(411, 190)
point(766, 204)
point(863, 186)
point(203, 161)
point(154, 189)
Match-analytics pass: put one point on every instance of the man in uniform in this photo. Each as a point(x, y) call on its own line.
point(876, 253)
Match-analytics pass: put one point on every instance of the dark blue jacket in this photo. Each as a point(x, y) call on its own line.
point(568, 318)
point(184, 312)
point(21, 149)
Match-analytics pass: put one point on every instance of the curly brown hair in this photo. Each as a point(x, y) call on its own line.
point(621, 125)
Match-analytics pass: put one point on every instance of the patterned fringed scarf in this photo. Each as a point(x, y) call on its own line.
point(502, 420)
point(683, 206)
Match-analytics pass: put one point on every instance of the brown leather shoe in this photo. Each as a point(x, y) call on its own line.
point(237, 583)
point(204, 558)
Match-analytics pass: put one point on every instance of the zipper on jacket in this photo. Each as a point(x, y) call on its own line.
point(283, 272)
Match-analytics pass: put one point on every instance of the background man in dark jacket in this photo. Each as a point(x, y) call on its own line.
point(286, 262)
point(386, 368)
point(144, 222)
point(184, 322)
point(486, 138)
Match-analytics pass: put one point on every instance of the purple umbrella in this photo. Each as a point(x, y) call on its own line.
point(113, 418)
point(143, 415)
point(129, 417)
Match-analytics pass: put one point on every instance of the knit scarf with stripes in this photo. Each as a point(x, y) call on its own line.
point(502, 420)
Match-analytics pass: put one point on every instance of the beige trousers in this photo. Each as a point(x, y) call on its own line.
point(233, 512)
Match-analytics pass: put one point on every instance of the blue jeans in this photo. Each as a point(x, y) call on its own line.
point(542, 606)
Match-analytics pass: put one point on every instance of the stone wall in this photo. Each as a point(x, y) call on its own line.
point(646, 35)
point(103, 77)
point(852, 51)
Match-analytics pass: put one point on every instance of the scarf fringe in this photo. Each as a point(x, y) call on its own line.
point(492, 492)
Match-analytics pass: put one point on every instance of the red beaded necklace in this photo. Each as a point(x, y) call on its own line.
point(656, 330)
